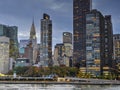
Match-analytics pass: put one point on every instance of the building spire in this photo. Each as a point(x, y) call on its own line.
point(32, 31)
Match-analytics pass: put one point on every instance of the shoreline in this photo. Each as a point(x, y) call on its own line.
point(55, 82)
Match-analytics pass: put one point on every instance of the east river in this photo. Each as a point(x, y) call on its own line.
point(57, 87)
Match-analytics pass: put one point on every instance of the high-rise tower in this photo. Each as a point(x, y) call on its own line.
point(67, 41)
point(116, 46)
point(33, 41)
point(12, 33)
point(116, 50)
point(95, 44)
point(99, 45)
point(80, 8)
point(67, 37)
point(108, 41)
point(33, 38)
point(46, 41)
point(4, 54)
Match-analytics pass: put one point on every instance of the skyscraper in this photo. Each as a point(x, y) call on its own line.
point(33, 41)
point(108, 63)
point(67, 37)
point(4, 54)
point(12, 33)
point(94, 42)
point(68, 54)
point(59, 55)
point(116, 48)
point(46, 41)
point(63, 51)
point(33, 38)
point(80, 8)
point(108, 41)
point(22, 45)
point(99, 45)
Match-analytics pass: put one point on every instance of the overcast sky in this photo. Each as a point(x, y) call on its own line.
point(21, 12)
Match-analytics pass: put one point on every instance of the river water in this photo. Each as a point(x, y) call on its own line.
point(57, 87)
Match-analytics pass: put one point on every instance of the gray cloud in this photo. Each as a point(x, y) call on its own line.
point(20, 13)
point(110, 7)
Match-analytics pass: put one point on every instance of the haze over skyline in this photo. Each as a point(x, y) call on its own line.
point(21, 12)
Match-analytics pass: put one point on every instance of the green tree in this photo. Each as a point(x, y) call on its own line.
point(40, 71)
point(80, 74)
point(73, 71)
point(109, 76)
point(20, 70)
point(88, 75)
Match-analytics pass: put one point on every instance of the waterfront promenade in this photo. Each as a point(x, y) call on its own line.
point(65, 80)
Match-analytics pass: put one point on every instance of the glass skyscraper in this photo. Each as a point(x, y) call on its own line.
point(10, 32)
point(108, 41)
point(46, 41)
point(94, 42)
point(99, 45)
point(80, 8)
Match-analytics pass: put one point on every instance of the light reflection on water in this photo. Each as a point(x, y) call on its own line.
point(56, 87)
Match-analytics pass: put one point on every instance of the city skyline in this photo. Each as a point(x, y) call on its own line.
point(21, 13)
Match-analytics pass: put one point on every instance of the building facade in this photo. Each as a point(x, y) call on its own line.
point(59, 55)
point(80, 8)
point(63, 52)
point(68, 54)
point(63, 55)
point(116, 50)
point(22, 62)
point(46, 41)
point(67, 37)
point(33, 42)
point(108, 64)
point(68, 48)
point(22, 45)
point(94, 42)
point(12, 33)
point(99, 45)
point(116, 47)
point(4, 54)
point(28, 53)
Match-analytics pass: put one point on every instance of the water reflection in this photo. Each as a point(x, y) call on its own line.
point(56, 87)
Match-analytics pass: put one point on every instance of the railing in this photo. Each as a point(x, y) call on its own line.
point(26, 78)
point(92, 80)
